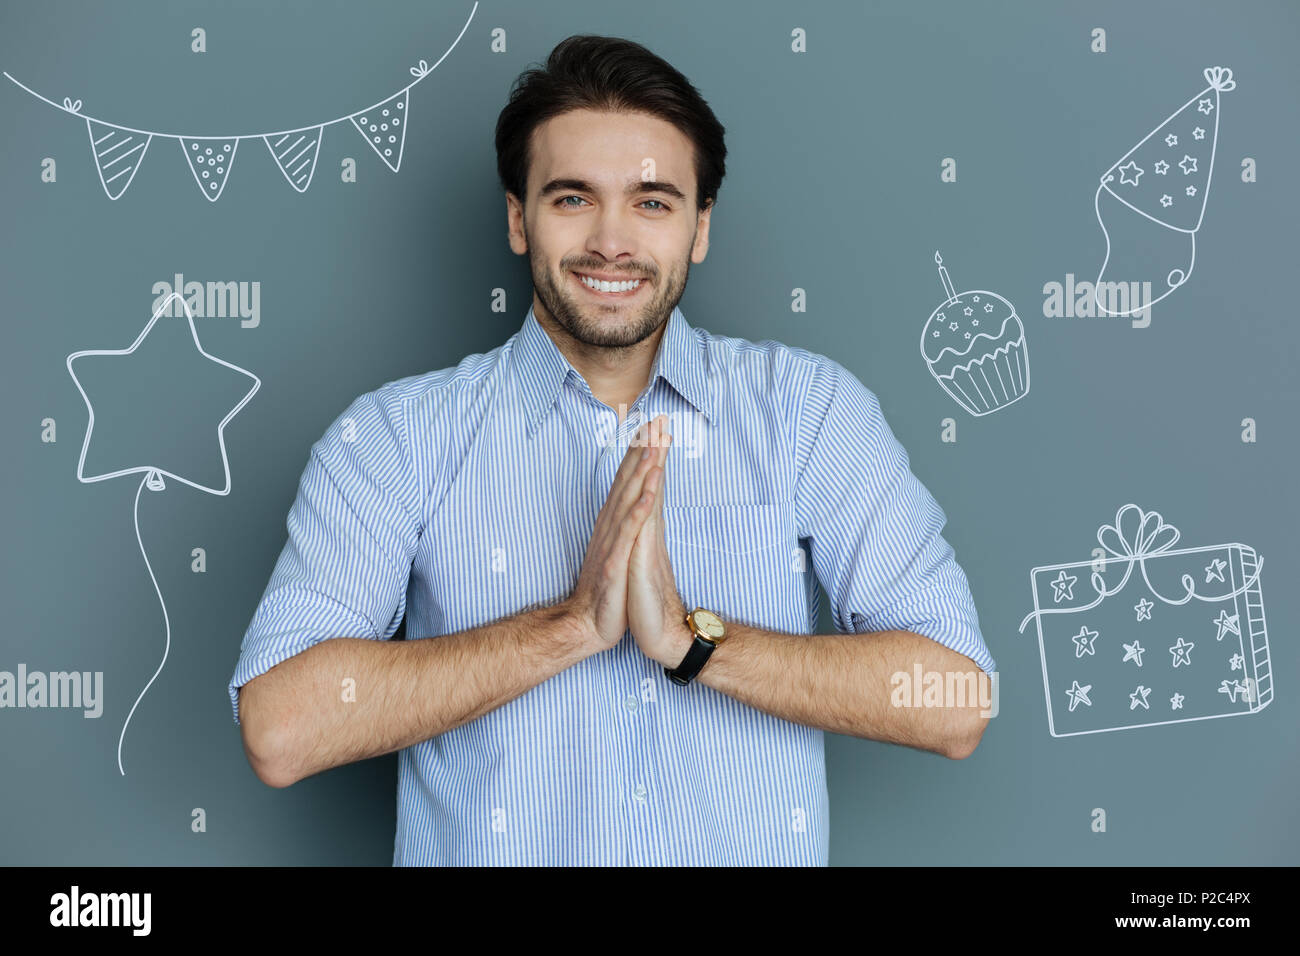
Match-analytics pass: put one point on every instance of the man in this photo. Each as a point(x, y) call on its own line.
point(545, 514)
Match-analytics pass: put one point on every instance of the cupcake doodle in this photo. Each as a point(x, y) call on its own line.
point(974, 346)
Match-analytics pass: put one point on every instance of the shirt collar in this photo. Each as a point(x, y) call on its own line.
point(542, 367)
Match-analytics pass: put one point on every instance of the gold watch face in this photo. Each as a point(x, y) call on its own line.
point(708, 624)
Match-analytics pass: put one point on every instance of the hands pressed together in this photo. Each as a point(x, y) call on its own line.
point(626, 580)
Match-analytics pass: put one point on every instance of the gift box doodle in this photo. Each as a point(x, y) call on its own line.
point(1144, 634)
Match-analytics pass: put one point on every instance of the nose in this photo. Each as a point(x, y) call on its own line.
point(612, 234)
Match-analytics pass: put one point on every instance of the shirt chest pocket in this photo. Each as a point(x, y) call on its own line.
point(739, 560)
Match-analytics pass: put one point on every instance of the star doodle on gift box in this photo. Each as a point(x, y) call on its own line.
point(1214, 570)
point(1083, 642)
point(1232, 688)
point(1133, 652)
point(1227, 624)
point(1139, 698)
point(1062, 587)
point(153, 473)
point(1079, 695)
point(1236, 662)
point(1143, 607)
point(1182, 652)
point(1176, 702)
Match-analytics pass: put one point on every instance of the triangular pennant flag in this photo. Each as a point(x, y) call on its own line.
point(118, 154)
point(384, 127)
point(210, 161)
point(295, 153)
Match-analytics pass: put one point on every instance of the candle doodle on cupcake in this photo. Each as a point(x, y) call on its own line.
point(974, 346)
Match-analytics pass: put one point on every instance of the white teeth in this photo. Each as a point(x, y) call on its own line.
point(602, 286)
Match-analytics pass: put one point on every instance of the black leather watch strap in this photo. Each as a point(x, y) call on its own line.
point(692, 663)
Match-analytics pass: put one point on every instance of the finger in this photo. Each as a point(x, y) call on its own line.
point(614, 513)
point(625, 498)
point(631, 527)
point(617, 498)
point(666, 441)
point(630, 457)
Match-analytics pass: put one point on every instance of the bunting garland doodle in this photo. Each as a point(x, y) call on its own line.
point(119, 151)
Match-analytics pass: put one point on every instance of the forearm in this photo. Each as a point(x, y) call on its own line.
point(845, 683)
point(303, 716)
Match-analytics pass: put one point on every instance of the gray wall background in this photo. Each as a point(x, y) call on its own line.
point(833, 187)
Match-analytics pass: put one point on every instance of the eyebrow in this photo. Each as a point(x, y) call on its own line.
point(632, 189)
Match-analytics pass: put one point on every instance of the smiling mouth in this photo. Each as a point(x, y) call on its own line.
point(621, 289)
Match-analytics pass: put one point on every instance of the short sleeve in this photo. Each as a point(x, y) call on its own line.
point(874, 529)
point(352, 533)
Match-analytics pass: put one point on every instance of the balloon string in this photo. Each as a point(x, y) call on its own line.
point(166, 621)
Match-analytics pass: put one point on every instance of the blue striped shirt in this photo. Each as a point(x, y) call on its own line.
point(467, 494)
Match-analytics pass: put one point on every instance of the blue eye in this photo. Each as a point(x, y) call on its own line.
point(563, 203)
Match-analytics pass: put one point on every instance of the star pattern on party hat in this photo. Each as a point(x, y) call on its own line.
point(1177, 147)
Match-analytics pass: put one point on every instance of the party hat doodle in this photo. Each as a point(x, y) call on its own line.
point(1151, 202)
point(974, 346)
point(119, 150)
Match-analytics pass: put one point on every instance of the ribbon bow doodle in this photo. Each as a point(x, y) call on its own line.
point(1135, 536)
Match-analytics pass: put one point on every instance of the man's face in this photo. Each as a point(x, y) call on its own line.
point(610, 196)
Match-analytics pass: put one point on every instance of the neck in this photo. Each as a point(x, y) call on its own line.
point(615, 375)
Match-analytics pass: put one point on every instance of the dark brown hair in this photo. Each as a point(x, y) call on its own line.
point(607, 73)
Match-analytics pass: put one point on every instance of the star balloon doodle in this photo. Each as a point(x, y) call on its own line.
point(154, 474)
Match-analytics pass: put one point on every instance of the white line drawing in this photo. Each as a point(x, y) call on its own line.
point(1165, 179)
point(1231, 684)
point(153, 475)
point(974, 346)
point(1182, 652)
point(119, 150)
point(1133, 652)
point(1079, 695)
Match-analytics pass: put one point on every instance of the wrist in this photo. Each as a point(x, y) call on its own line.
point(677, 642)
point(573, 632)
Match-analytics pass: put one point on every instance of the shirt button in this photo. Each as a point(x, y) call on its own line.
point(630, 702)
point(638, 793)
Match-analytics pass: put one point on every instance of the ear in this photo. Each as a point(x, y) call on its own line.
point(515, 224)
point(701, 246)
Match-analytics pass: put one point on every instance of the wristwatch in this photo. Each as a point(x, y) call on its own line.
point(709, 633)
